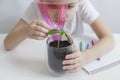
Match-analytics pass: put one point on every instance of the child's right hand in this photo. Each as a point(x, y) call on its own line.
point(37, 30)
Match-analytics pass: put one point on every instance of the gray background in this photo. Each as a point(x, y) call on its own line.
point(12, 10)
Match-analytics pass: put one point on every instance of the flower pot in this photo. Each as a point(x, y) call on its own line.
point(55, 54)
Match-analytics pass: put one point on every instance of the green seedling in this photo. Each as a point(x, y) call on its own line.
point(60, 32)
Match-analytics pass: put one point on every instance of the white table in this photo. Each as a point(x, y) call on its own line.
point(26, 62)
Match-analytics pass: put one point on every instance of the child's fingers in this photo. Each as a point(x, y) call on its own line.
point(71, 61)
point(37, 38)
point(43, 24)
point(39, 34)
point(74, 61)
point(73, 55)
point(41, 29)
point(74, 70)
point(72, 67)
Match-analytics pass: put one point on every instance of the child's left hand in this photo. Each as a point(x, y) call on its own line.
point(73, 62)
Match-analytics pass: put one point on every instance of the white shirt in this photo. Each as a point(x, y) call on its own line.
point(86, 13)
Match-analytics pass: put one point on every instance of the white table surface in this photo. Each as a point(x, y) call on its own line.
point(26, 62)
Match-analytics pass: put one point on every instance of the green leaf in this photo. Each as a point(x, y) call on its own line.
point(56, 31)
point(62, 32)
point(53, 31)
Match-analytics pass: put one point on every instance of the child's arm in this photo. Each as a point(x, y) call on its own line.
point(103, 46)
point(35, 30)
point(105, 43)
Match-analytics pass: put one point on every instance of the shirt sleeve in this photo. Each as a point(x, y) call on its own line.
point(31, 13)
point(88, 12)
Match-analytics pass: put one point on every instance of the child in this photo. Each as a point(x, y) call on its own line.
point(79, 11)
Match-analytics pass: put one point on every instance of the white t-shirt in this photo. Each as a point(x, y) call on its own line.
point(86, 13)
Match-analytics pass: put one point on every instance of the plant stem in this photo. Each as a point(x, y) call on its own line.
point(68, 37)
point(58, 41)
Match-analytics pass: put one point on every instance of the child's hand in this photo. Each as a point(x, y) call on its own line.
point(37, 30)
point(73, 62)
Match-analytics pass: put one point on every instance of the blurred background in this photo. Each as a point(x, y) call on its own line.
point(12, 10)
